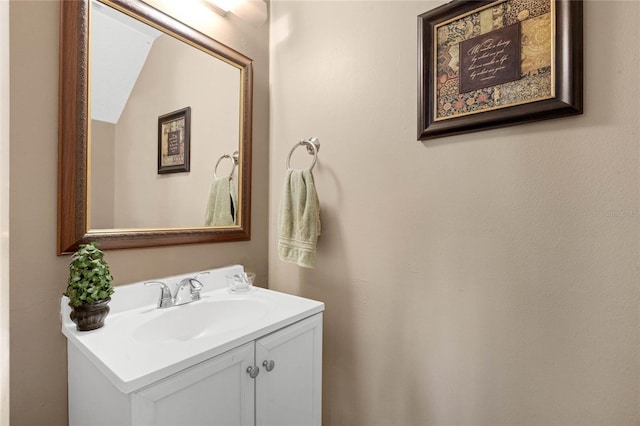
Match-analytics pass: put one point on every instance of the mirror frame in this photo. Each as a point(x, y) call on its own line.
point(73, 131)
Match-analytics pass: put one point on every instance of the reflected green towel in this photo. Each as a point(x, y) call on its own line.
point(221, 205)
point(299, 219)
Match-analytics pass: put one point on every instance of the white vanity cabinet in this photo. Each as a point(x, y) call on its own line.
point(289, 384)
point(286, 390)
point(227, 359)
point(215, 392)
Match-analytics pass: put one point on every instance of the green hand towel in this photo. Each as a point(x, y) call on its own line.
point(221, 204)
point(299, 219)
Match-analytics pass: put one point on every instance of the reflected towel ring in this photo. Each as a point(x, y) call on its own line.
point(233, 158)
point(313, 146)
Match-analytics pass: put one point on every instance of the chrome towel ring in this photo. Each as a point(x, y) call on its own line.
point(233, 157)
point(312, 145)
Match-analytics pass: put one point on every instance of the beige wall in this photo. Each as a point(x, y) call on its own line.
point(483, 279)
point(4, 213)
point(38, 276)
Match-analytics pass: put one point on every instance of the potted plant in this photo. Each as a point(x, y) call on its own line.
point(89, 287)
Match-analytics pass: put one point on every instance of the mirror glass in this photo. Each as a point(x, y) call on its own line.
point(155, 130)
point(138, 74)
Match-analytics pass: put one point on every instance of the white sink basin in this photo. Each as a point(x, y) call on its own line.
point(202, 319)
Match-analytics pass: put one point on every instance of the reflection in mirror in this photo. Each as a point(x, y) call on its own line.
point(137, 75)
point(144, 65)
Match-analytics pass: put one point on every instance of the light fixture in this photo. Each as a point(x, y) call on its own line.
point(252, 11)
point(222, 6)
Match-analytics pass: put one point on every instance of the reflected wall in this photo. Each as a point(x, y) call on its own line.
point(140, 197)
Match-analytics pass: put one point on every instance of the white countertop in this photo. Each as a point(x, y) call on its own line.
point(132, 363)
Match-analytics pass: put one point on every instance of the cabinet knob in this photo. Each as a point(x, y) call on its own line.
point(268, 365)
point(253, 371)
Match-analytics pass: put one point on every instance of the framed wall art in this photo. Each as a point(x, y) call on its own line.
point(174, 141)
point(486, 64)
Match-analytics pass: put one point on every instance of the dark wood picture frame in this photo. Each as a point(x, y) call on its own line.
point(566, 69)
point(174, 141)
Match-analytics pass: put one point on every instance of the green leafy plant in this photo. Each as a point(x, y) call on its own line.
point(89, 276)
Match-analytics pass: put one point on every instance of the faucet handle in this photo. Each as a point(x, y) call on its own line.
point(165, 300)
point(194, 291)
point(195, 277)
point(195, 286)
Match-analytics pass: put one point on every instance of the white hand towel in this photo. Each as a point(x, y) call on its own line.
point(299, 219)
point(221, 204)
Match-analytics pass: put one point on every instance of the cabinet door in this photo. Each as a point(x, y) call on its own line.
point(289, 386)
point(216, 392)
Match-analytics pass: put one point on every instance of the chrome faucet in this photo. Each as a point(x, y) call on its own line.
point(167, 300)
point(194, 291)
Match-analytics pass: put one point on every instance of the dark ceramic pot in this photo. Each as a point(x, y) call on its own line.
point(90, 316)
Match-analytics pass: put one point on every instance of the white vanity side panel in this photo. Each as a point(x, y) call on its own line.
point(93, 399)
point(291, 394)
point(214, 392)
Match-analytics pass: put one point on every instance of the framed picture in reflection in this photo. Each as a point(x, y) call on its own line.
point(174, 141)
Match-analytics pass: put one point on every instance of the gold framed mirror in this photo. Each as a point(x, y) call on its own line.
point(137, 219)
